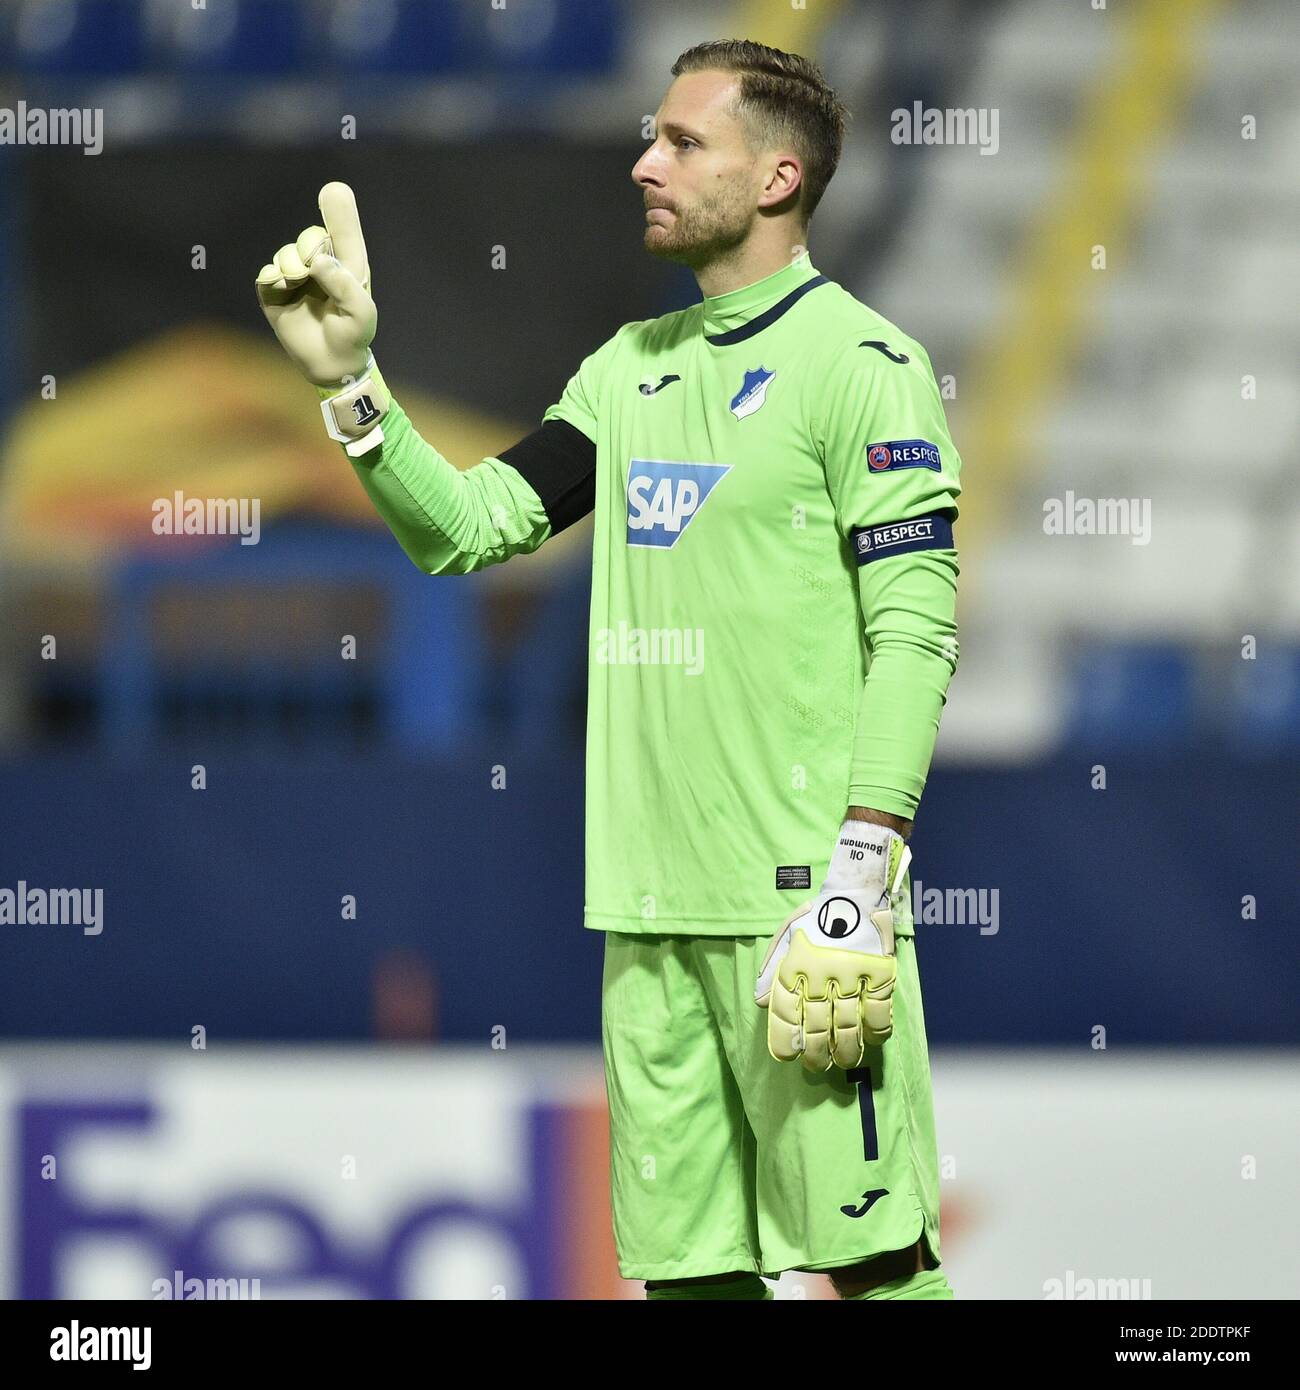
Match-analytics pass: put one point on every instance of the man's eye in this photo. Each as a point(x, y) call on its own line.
point(685, 140)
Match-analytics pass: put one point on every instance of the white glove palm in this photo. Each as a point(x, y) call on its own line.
point(827, 981)
point(316, 294)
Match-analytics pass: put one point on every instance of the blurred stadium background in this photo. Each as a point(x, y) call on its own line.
point(406, 1099)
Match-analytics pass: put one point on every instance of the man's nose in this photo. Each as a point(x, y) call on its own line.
point(646, 169)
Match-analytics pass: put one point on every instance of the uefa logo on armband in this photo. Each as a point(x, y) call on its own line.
point(903, 453)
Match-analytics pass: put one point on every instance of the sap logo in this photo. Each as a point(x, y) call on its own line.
point(752, 393)
point(663, 498)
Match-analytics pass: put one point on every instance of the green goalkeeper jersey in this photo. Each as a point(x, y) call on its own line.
point(773, 589)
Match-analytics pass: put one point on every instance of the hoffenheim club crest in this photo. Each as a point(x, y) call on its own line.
point(752, 393)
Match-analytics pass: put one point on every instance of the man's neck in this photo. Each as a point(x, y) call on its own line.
point(746, 265)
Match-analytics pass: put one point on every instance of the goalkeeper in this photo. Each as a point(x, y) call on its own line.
point(774, 490)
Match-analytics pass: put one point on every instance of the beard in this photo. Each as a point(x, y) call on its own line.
point(703, 231)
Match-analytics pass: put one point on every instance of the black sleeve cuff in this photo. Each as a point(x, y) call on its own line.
point(559, 463)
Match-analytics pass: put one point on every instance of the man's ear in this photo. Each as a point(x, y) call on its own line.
point(777, 190)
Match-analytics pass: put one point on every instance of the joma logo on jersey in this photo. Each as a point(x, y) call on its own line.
point(663, 498)
point(903, 453)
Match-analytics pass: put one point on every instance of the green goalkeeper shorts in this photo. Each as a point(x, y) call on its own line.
point(722, 1159)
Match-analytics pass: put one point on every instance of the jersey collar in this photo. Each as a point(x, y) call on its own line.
point(739, 314)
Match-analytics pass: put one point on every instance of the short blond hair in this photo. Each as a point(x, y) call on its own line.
point(784, 99)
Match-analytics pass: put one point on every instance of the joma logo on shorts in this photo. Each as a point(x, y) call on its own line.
point(869, 1200)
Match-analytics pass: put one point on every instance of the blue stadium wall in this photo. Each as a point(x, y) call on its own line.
point(1120, 908)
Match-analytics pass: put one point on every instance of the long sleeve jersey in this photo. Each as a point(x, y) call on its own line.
point(772, 625)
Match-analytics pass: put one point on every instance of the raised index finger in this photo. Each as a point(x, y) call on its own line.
point(338, 206)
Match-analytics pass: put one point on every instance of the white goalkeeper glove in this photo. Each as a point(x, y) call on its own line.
point(316, 296)
point(827, 981)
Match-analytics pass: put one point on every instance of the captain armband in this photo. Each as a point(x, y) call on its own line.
point(932, 531)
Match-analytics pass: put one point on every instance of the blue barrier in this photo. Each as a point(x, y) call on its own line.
point(287, 38)
point(1264, 699)
point(399, 37)
point(424, 684)
point(1134, 694)
point(1120, 909)
point(91, 37)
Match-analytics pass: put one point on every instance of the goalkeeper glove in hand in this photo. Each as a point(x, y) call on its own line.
point(827, 981)
point(316, 296)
